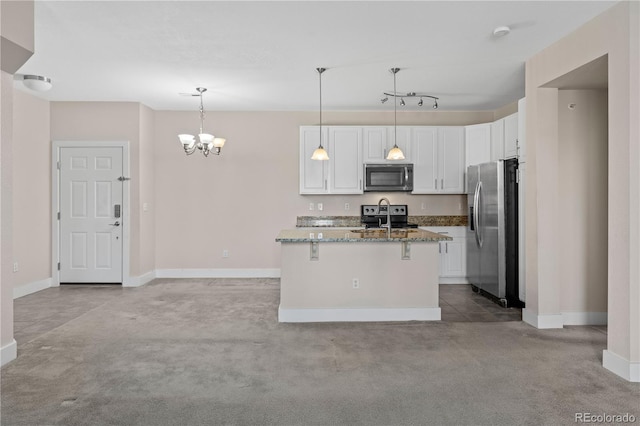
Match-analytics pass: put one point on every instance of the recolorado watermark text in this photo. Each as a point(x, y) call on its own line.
point(604, 418)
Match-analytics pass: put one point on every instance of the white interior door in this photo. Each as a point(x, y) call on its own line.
point(91, 214)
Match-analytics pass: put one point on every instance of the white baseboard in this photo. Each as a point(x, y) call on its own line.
point(622, 367)
point(452, 280)
point(218, 273)
point(358, 314)
point(584, 318)
point(542, 321)
point(30, 288)
point(9, 352)
point(139, 281)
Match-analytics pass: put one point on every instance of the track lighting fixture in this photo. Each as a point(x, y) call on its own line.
point(385, 99)
point(402, 97)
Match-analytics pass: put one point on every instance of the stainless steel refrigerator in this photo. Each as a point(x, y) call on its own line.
point(492, 232)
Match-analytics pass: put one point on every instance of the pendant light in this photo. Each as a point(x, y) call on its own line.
point(395, 153)
point(320, 153)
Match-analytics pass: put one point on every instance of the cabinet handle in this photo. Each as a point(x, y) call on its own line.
point(440, 248)
point(446, 248)
point(360, 184)
point(325, 184)
point(441, 183)
point(435, 183)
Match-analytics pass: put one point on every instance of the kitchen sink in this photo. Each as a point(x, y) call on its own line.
point(382, 232)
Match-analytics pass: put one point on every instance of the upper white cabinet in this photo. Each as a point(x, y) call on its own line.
point(522, 140)
point(438, 160)
point(342, 173)
point(378, 140)
point(478, 144)
point(314, 178)
point(345, 160)
point(497, 140)
point(511, 136)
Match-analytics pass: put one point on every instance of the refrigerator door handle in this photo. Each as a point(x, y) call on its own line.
point(476, 215)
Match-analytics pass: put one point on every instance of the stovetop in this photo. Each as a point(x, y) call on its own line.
point(372, 216)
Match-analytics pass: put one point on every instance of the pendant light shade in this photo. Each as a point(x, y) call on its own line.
point(320, 153)
point(395, 153)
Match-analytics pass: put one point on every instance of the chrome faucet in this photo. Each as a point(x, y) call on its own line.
point(388, 224)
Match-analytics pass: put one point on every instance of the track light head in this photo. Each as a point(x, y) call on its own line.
point(385, 99)
point(402, 101)
point(420, 102)
point(435, 104)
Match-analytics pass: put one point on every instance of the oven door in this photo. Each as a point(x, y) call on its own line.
point(388, 177)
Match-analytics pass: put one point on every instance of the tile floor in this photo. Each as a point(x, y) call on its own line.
point(460, 304)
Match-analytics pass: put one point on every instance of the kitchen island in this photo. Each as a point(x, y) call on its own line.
point(330, 274)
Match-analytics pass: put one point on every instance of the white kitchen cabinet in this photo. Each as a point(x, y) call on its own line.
point(345, 160)
point(438, 160)
point(522, 140)
point(477, 144)
point(511, 136)
point(497, 140)
point(342, 173)
point(378, 140)
point(314, 174)
point(453, 254)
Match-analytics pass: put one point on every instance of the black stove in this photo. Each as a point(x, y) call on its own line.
point(373, 216)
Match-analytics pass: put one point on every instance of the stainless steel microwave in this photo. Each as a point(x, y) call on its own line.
point(388, 177)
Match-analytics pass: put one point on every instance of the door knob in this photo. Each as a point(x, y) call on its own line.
point(115, 224)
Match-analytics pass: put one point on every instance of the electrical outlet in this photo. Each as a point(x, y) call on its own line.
point(15, 266)
point(225, 253)
point(310, 206)
point(356, 283)
point(320, 206)
point(424, 206)
point(347, 206)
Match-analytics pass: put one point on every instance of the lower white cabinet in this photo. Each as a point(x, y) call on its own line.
point(453, 254)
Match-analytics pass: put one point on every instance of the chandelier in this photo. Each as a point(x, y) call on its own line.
point(207, 143)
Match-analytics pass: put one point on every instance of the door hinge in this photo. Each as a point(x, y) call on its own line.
point(58, 165)
point(58, 215)
point(517, 176)
point(58, 266)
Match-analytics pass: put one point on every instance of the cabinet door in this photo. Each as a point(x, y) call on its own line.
point(425, 160)
point(313, 173)
point(451, 168)
point(454, 259)
point(374, 144)
point(497, 140)
point(404, 143)
point(478, 144)
point(345, 161)
point(522, 140)
point(511, 136)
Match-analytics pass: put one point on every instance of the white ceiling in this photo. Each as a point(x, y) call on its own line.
point(255, 56)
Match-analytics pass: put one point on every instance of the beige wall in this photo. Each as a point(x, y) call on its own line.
point(107, 121)
point(31, 189)
point(147, 197)
point(613, 33)
point(242, 199)
point(16, 34)
point(6, 225)
point(582, 200)
point(506, 110)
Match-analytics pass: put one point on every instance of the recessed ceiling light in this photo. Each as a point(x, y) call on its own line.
point(501, 31)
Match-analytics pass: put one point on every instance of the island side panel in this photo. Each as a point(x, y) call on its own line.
point(386, 281)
